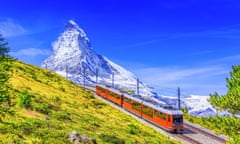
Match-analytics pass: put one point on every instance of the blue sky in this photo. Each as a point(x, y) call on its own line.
point(167, 44)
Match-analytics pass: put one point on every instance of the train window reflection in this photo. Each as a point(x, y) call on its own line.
point(177, 118)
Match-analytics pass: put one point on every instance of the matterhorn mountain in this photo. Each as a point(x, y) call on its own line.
point(74, 58)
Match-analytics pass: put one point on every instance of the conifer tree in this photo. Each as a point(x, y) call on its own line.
point(231, 100)
point(4, 49)
point(215, 100)
point(5, 70)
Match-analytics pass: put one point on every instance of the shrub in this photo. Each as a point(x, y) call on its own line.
point(133, 129)
point(111, 139)
point(62, 89)
point(43, 108)
point(85, 105)
point(91, 96)
point(24, 100)
point(98, 104)
point(56, 100)
point(62, 116)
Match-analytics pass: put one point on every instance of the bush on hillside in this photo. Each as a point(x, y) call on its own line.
point(24, 100)
point(112, 139)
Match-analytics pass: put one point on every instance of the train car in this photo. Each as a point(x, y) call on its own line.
point(101, 91)
point(110, 94)
point(133, 105)
point(164, 116)
point(115, 97)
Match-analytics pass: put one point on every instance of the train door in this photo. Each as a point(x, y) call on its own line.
point(168, 119)
point(121, 100)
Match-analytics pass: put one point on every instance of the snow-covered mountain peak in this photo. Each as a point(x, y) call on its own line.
point(72, 23)
point(73, 26)
point(73, 57)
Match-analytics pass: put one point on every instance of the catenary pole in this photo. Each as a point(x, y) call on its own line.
point(137, 86)
point(179, 101)
point(96, 76)
point(112, 79)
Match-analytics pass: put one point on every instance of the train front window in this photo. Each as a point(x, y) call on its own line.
point(177, 119)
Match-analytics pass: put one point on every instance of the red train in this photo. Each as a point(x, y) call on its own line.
point(164, 116)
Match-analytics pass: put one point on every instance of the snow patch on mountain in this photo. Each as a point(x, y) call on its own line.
point(199, 105)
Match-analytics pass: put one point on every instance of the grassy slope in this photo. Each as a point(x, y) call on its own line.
point(59, 107)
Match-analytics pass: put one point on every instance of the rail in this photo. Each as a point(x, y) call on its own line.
point(208, 134)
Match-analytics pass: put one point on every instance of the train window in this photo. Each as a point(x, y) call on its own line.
point(127, 100)
point(101, 89)
point(147, 110)
point(160, 115)
point(136, 105)
point(114, 95)
point(117, 96)
point(177, 118)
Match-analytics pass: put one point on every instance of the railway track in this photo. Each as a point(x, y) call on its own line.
point(188, 139)
point(203, 132)
point(190, 134)
point(197, 135)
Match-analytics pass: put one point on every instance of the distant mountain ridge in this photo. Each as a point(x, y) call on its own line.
point(196, 105)
point(73, 57)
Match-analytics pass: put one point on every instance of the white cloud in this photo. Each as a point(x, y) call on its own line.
point(30, 52)
point(203, 78)
point(204, 52)
point(233, 59)
point(10, 28)
point(177, 73)
point(197, 80)
point(227, 61)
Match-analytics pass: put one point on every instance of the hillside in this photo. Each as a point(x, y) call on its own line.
point(44, 107)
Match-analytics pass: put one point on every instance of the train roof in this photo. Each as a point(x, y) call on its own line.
point(155, 105)
point(149, 102)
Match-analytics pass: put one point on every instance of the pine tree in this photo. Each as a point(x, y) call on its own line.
point(231, 100)
point(216, 102)
point(5, 70)
point(4, 63)
point(4, 49)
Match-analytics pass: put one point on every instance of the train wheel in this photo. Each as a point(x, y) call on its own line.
point(181, 131)
point(175, 130)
